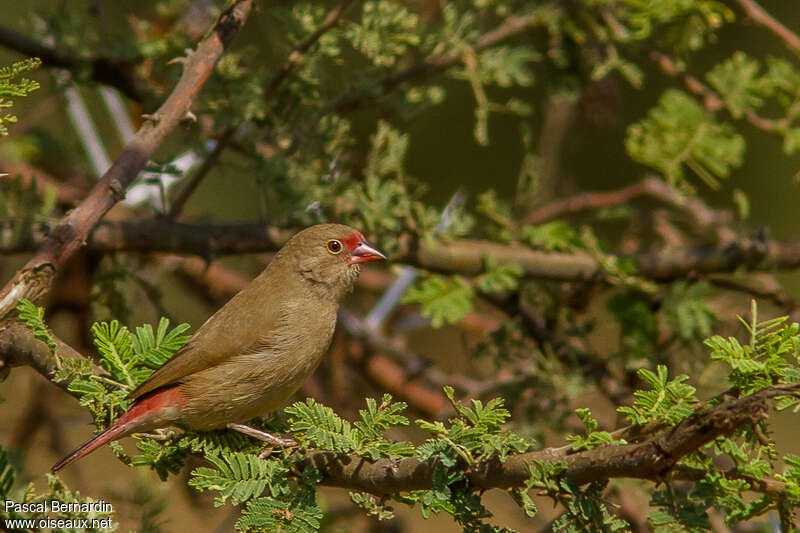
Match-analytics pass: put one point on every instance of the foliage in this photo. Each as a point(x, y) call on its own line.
point(33, 317)
point(670, 401)
point(593, 437)
point(27, 207)
point(12, 86)
point(35, 498)
point(678, 132)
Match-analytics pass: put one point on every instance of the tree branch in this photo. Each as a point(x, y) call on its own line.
point(652, 459)
point(418, 73)
point(652, 187)
point(759, 15)
point(711, 100)
point(116, 72)
point(296, 54)
point(210, 161)
point(457, 256)
point(35, 278)
point(19, 347)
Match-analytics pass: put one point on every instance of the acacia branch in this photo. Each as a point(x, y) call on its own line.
point(297, 52)
point(70, 234)
point(652, 187)
point(457, 256)
point(210, 161)
point(512, 26)
point(759, 15)
point(653, 459)
point(711, 100)
point(116, 72)
point(19, 347)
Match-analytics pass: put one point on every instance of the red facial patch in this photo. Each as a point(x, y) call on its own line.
point(352, 242)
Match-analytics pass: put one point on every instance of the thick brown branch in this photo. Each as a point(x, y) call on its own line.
point(461, 256)
point(116, 72)
point(34, 279)
point(652, 459)
point(18, 347)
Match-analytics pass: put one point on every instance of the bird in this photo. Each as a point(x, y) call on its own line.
point(250, 356)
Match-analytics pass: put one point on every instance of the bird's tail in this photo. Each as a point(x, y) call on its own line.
point(149, 412)
point(115, 431)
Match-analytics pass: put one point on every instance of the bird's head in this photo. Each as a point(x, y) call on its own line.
point(330, 255)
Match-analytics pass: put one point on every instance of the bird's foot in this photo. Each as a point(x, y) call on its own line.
point(273, 440)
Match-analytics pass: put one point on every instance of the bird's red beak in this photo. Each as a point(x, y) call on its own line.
point(364, 253)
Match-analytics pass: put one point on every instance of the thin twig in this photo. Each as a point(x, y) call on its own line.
point(759, 15)
point(710, 99)
point(200, 174)
point(297, 52)
point(511, 27)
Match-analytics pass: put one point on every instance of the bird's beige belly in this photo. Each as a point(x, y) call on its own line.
point(250, 386)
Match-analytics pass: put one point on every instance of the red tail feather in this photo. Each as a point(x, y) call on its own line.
point(114, 432)
point(144, 415)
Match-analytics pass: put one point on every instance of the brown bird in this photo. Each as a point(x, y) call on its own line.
point(255, 352)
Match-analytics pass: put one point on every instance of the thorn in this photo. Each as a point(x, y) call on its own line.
point(182, 59)
point(155, 117)
point(190, 116)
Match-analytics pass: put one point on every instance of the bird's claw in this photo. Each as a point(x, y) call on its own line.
point(273, 440)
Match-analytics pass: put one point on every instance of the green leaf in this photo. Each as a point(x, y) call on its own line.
point(498, 278)
point(552, 236)
point(667, 400)
point(593, 438)
point(319, 426)
point(33, 317)
point(240, 477)
point(386, 31)
point(736, 80)
point(443, 299)
point(154, 349)
point(378, 418)
point(686, 311)
point(12, 87)
point(113, 341)
point(301, 514)
point(679, 133)
point(7, 474)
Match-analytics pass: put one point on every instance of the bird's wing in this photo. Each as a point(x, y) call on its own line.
point(226, 334)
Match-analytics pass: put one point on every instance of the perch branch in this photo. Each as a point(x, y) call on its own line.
point(652, 459)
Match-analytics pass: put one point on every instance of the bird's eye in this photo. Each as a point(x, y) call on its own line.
point(334, 246)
